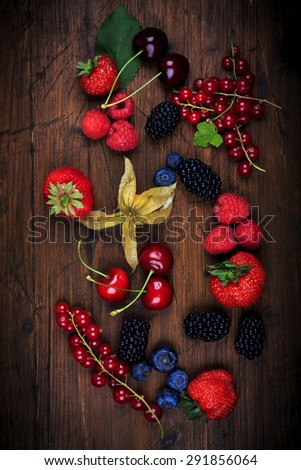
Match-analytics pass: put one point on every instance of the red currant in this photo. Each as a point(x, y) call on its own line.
point(235, 51)
point(82, 319)
point(198, 83)
point(236, 152)
point(156, 410)
point(242, 106)
point(98, 379)
point(220, 107)
point(105, 350)
point(62, 307)
point(210, 100)
point(230, 138)
point(95, 343)
point(194, 116)
point(251, 77)
point(219, 124)
point(185, 94)
point(227, 85)
point(62, 320)
point(112, 383)
point(204, 114)
point(89, 362)
point(241, 66)
point(200, 97)
point(76, 309)
point(229, 120)
point(243, 120)
point(243, 86)
point(92, 332)
point(121, 395)
point(110, 363)
point(257, 110)
point(246, 137)
point(122, 369)
point(74, 341)
point(227, 63)
point(80, 354)
point(137, 404)
point(252, 151)
point(175, 99)
point(210, 85)
point(184, 112)
point(244, 168)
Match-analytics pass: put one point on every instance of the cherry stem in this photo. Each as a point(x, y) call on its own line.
point(114, 312)
point(105, 105)
point(89, 278)
point(86, 265)
point(245, 151)
point(118, 75)
point(124, 384)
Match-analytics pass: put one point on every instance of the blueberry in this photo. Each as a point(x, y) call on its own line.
point(167, 398)
point(173, 159)
point(165, 177)
point(163, 359)
point(177, 380)
point(141, 370)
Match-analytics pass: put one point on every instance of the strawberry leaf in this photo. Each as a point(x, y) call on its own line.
point(115, 37)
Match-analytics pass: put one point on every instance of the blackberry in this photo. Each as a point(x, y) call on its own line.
point(251, 336)
point(163, 120)
point(199, 178)
point(207, 326)
point(133, 340)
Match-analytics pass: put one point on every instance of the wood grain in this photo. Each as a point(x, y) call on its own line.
point(47, 401)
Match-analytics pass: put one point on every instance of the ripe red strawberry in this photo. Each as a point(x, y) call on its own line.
point(238, 282)
point(96, 77)
point(231, 208)
point(122, 136)
point(68, 192)
point(211, 393)
point(121, 110)
point(249, 234)
point(220, 240)
point(95, 124)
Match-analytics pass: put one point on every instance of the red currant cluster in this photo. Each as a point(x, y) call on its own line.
point(90, 352)
point(229, 103)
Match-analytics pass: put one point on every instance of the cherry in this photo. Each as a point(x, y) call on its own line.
point(173, 68)
point(116, 287)
point(156, 410)
point(245, 168)
point(98, 379)
point(62, 307)
point(137, 404)
point(159, 294)
point(105, 350)
point(157, 258)
point(121, 395)
point(152, 42)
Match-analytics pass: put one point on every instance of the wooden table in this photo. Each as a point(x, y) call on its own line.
point(47, 401)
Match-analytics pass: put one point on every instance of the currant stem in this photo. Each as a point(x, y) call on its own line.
point(124, 384)
point(119, 73)
point(89, 278)
point(236, 95)
point(227, 109)
point(105, 105)
point(114, 312)
point(246, 153)
point(194, 106)
point(86, 265)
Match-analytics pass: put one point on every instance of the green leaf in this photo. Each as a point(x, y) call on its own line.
point(206, 135)
point(115, 37)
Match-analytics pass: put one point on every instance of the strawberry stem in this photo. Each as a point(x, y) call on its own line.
point(86, 265)
point(120, 382)
point(115, 312)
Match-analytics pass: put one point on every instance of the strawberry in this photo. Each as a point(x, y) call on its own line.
point(238, 282)
point(95, 124)
point(220, 240)
point(68, 192)
point(96, 77)
point(122, 136)
point(231, 208)
point(248, 234)
point(211, 393)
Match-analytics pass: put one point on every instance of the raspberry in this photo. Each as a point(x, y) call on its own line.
point(220, 240)
point(249, 234)
point(122, 136)
point(122, 110)
point(95, 124)
point(231, 208)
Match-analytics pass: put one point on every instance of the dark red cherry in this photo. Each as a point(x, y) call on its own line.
point(152, 41)
point(116, 287)
point(159, 294)
point(156, 257)
point(174, 68)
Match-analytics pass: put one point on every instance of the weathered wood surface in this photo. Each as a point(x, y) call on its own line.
point(47, 401)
